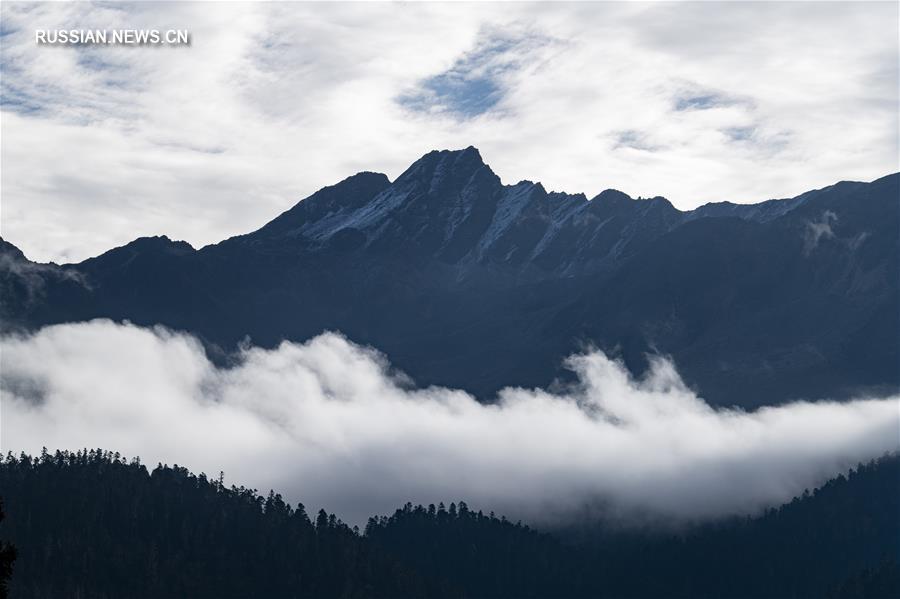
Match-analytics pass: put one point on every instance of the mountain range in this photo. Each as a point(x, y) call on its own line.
point(466, 282)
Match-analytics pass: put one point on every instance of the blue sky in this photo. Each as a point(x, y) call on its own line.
point(476, 82)
point(697, 102)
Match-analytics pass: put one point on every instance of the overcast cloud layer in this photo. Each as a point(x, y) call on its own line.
point(698, 102)
point(327, 424)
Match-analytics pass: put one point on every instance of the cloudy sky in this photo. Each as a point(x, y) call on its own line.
point(697, 102)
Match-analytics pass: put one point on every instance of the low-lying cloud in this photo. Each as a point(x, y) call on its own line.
point(327, 423)
point(816, 231)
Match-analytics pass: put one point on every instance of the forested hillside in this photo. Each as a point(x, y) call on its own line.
point(90, 524)
point(93, 525)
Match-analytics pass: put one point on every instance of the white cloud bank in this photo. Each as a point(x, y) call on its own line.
point(327, 424)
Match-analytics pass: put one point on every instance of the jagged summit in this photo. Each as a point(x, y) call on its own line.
point(450, 206)
point(441, 170)
point(445, 198)
point(469, 154)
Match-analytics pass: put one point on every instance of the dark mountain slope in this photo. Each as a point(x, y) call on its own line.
point(467, 282)
point(746, 304)
point(333, 202)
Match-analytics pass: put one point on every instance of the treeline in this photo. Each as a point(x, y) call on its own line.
point(478, 555)
point(842, 540)
point(93, 525)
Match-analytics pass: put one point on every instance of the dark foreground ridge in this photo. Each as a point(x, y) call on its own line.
point(473, 284)
point(93, 525)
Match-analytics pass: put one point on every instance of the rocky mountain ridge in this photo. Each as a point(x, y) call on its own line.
point(464, 281)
